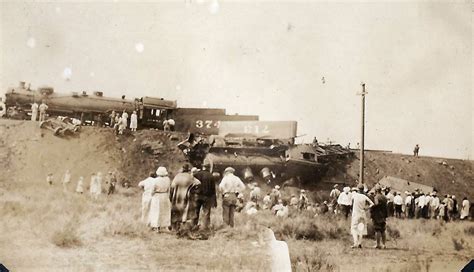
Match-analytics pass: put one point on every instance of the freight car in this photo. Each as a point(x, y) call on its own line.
point(96, 108)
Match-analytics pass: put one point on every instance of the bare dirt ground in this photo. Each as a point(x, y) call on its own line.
point(46, 229)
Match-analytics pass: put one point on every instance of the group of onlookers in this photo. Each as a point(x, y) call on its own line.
point(178, 204)
point(119, 122)
point(42, 108)
point(416, 204)
point(95, 186)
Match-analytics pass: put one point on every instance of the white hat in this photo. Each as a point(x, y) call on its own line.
point(346, 189)
point(161, 171)
point(229, 170)
point(277, 187)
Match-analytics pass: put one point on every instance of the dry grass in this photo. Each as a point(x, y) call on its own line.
point(76, 227)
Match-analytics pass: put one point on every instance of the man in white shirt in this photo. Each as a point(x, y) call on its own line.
point(398, 202)
point(171, 124)
point(420, 204)
point(230, 186)
point(434, 204)
point(345, 201)
point(42, 109)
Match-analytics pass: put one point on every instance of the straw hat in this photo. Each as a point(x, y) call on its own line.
point(161, 171)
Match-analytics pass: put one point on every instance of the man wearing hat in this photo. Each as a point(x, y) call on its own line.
point(207, 194)
point(398, 203)
point(434, 204)
point(275, 195)
point(255, 195)
point(230, 186)
point(303, 201)
point(379, 214)
point(345, 201)
point(111, 181)
point(334, 194)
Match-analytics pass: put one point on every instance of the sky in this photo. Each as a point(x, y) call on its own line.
point(281, 60)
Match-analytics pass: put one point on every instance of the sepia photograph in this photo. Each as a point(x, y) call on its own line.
point(236, 135)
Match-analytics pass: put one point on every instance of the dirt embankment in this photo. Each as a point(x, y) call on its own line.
point(28, 153)
point(448, 176)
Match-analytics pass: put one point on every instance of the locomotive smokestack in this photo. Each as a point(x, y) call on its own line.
point(22, 84)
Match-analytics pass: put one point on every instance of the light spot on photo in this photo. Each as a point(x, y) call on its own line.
point(67, 73)
point(214, 7)
point(31, 43)
point(139, 47)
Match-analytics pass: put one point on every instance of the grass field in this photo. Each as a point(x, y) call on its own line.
point(44, 228)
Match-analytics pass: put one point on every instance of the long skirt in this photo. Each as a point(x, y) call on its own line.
point(160, 211)
point(359, 225)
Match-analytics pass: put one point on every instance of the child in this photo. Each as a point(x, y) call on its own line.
point(49, 179)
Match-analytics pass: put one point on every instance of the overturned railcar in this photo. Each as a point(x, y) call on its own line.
point(263, 149)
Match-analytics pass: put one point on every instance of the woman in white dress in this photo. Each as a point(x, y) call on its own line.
point(66, 180)
point(360, 204)
point(160, 207)
point(133, 121)
point(148, 185)
point(93, 185)
point(465, 206)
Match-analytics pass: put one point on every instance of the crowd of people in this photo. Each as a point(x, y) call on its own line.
point(177, 204)
point(416, 204)
point(95, 188)
point(183, 204)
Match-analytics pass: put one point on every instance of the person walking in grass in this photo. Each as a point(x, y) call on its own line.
point(379, 214)
point(230, 186)
point(465, 206)
point(49, 179)
point(80, 186)
point(111, 181)
point(66, 180)
point(148, 185)
point(93, 186)
point(160, 206)
point(360, 204)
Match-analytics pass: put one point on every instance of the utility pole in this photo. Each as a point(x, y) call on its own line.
point(362, 126)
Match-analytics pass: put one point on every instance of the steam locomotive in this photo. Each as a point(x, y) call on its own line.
point(96, 108)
